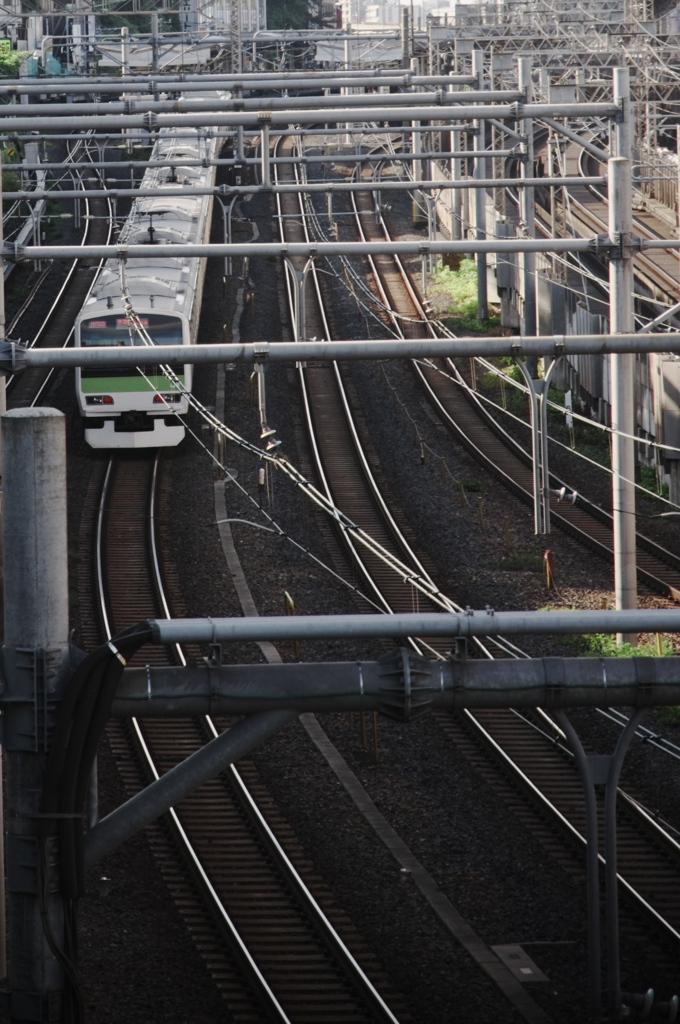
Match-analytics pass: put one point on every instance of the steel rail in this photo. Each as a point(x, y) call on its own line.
point(46, 323)
point(380, 508)
point(555, 814)
point(302, 890)
point(208, 889)
point(271, 1004)
point(505, 646)
point(638, 899)
point(293, 300)
point(62, 291)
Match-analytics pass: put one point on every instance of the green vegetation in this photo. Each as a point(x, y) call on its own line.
point(669, 715)
point(604, 645)
point(650, 480)
point(471, 484)
point(9, 63)
point(454, 297)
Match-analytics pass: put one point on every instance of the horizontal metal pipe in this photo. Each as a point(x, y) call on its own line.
point(249, 83)
point(320, 186)
point(165, 692)
point(255, 249)
point(512, 111)
point(266, 78)
point(181, 781)
point(15, 357)
point(311, 158)
point(462, 624)
point(285, 103)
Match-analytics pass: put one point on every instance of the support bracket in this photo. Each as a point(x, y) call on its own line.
point(30, 691)
point(12, 357)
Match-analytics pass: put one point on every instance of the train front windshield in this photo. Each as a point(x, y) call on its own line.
point(117, 330)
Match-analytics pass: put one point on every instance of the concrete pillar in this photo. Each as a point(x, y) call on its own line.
point(528, 208)
point(479, 172)
point(36, 636)
point(622, 366)
point(405, 38)
point(622, 388)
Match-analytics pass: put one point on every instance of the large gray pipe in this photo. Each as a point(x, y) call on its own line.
point(388, 685)
point(461, 624)
point(335, 115)
point(14, 357)
point(217, 102)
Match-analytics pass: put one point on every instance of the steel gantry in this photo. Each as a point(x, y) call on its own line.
point(35, 666)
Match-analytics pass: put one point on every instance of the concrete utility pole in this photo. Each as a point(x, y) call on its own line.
point(36, 638)
point(528, 212)
point(479, 172)
point(622, 367)
point(405, 38)
point(155, 44)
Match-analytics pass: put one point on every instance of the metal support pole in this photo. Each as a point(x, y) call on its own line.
point(538, 399)
point(265, 155)
point(301, 303)
point(417, 144)
point(125, 50)
point(592, 866)
point(622, 388)
point(36, 637)
point(479, 172)
point(622, 367)
point(456, 175)
point(610, 854)
point(181, 781)
point(299, 279)
point(527, 200)
point(155, 44)
point(405, 38)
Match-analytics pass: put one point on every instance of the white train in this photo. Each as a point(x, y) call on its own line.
point(141, 407)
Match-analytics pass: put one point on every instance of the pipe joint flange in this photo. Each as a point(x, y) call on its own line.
point(13, 252)
point(602, 245)
point(406, 694)
point(150, 121)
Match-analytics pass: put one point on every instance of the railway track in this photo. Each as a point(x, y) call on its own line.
point(526, 752)
point(56, 329)
point(464, 414)
point(342, 466)
point(266, 939)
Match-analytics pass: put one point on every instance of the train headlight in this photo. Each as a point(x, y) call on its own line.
point(99, 400)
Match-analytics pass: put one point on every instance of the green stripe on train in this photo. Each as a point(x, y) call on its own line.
point(100, 385)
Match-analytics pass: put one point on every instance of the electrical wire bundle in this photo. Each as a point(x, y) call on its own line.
point(82, 717)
